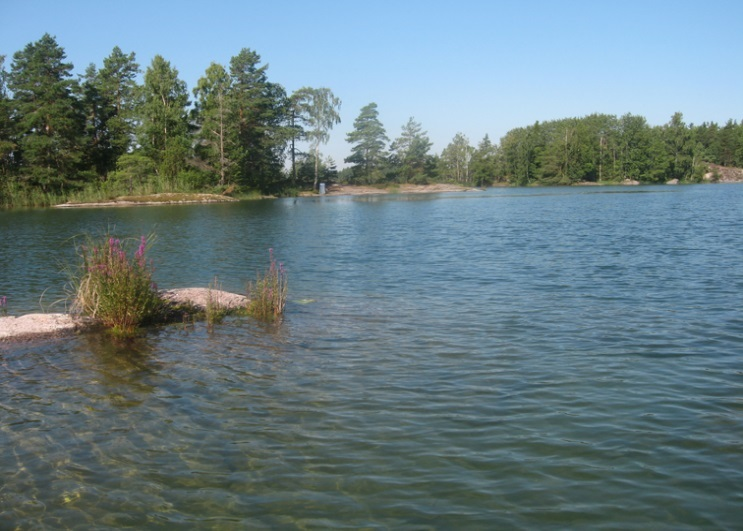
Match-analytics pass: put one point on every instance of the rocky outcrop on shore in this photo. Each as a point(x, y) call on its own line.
point(53, 325)
point(154, 199)
point(723, 174)
point(356, 189)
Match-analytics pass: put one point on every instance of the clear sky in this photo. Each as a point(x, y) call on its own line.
point(472, 66)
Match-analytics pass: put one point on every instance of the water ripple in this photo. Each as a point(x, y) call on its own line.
point(532, 361)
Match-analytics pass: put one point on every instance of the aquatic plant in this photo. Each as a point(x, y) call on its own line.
point(114, 288)
point(4, 305)
point(267, 295)
point(215, 311)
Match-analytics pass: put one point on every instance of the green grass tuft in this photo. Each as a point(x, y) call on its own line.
point(114, 287)
point(267, 295)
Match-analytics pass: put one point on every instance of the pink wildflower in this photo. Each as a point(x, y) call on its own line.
point(139, 255)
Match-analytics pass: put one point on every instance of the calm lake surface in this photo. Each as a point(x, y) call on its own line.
point(513, 359)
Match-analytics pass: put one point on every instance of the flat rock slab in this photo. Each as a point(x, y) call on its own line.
point(199, 297)
point(39, 325)
point(42, 325)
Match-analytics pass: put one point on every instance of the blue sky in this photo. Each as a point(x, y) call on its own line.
point(476, 67)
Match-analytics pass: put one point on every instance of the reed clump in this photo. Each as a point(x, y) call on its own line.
point(214, 310)
point(267, 295)
point(115, 286)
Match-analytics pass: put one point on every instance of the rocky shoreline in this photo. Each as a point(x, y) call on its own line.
point(154, 199)
point(357, 189)
point(56, 325)
point(716, 174)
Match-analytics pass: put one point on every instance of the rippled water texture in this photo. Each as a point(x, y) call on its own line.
point(541, 358)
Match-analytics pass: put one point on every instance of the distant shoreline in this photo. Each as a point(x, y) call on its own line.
point(354, 190)
point(154, 199)
point(357, 189)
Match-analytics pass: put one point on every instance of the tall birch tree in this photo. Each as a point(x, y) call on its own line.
point(212, 110)
point(165, 118)
point(318, 110)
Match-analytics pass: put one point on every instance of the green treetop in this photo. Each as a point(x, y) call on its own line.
point(165, 118)
point(317, 108)
point(48, 119)
point(369, 140)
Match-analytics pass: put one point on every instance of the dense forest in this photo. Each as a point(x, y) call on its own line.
point(118, 129)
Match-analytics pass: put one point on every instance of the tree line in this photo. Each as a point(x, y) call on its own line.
point(598, 148)
point(106, 134)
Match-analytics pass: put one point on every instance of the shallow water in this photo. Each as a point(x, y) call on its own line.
point(541, 358)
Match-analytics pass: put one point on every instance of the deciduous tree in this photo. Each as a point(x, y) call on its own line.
point(318, 110)
point(679, 148)
point(212, 115)
point(456, 158)
point(6, 127)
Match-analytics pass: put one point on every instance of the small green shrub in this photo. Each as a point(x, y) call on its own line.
point(114, 288)
point(267, 295)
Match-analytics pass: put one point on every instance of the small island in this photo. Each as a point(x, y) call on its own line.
point(113, 289)
point(179, 303)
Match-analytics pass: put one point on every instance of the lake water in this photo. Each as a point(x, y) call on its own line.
point(516, 358)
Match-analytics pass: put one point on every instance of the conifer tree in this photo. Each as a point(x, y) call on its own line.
point(48, 118)
point(258, 111)
point(369, 140)
point(165, 119)
point(484, 163)
point(410, 152)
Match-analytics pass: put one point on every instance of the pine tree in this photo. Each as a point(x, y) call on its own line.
point(164, 119)
point(369, 139)
point(119, 93)
point(410, 152)
point(49, 120)
point(258, 110)
point(484, 163)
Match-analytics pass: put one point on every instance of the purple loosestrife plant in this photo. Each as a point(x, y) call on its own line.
point(267, 295)
point(115, 289)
